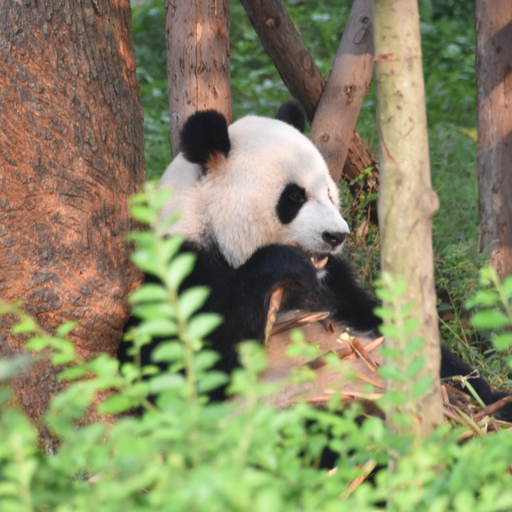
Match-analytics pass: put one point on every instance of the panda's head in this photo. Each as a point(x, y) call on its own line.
point(258, 182)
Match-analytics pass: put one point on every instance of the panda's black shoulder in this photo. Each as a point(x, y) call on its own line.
point(211, 267)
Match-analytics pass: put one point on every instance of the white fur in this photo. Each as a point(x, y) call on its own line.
point(236, 205)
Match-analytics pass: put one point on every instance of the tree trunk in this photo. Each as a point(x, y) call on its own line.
point(71, 154)
point(300, 73)
point(407, 203)
point(494, 99)
point(197, 33)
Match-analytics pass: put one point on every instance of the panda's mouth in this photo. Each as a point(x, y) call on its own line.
point(317, 260)
point(319, 264)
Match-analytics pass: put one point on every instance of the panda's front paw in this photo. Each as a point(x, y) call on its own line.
point(283, 264)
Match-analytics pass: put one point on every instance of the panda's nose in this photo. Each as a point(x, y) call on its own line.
point(335, 238)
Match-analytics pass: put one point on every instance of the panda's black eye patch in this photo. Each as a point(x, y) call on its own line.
point(290, 202)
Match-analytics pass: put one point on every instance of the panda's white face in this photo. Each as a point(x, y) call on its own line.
point(273, 187)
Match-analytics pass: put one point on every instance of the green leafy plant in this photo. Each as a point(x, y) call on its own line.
point(493, 317)
point(183, 452)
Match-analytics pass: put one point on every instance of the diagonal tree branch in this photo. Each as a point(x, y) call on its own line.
point(337, 112)
point(299, 72)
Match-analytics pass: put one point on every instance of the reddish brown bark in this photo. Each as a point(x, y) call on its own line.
point(197, 33)
point(494, 99)
point(71, 153)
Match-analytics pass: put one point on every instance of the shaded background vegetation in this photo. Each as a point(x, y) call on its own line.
point(448, 41)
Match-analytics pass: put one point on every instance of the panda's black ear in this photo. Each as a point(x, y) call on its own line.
point(203, 135)
point(292, 113)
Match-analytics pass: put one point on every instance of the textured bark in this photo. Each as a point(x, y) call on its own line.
point(300, 73)
point(407, 201)
point(71, 153)
point(494, 99)
point(337, 112)
point(198, 71)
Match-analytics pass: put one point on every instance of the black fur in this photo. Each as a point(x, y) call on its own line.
point(451, 366)
point(203, 134)
point(241, 296)
point(290, 202)
point(292, 113)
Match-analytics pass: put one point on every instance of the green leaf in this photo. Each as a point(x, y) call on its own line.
point(488, 275)
point(384, 313)
point(139, 198)
point(483, 298)
point(5, 394)
point(143, 214)
point(171, 245)
point(212, 380)
point(506, 287)
point(150, 369)
point(115, 405)
point(143, 239)
point(154, 311)
point(9, 489)
point(146, 261)
point(405, 310)
point(502, 341)
point(167, 352)
point(150, 292)
point(414, 345)
point(191, 300)
point(415, 366)
point(160, 327)
point(410, 325)
point(39, 343)
point(421, 386)
point(203, 324)
point(392, 398)
point(66, 328)
point(402, 419)
point(205, 359)
point(489, 319)
point(27, 325)
point(75, 372)
point(390, 353)
point(179, 269)
point(392, 372)
point(160, 198)
point(165, 382)
point(390, 331)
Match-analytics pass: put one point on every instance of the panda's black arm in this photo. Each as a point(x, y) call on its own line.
point(351, 305)
point(242, 295)
point(451, 365)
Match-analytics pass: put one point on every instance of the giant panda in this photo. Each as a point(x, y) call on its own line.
point(261, 211)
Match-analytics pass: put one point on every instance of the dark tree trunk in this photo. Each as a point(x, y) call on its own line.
point(71, 154)
point(494, 99)
point(198, 71)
